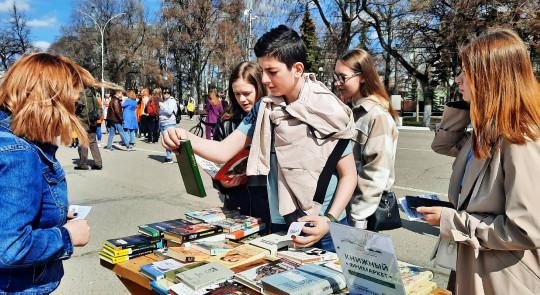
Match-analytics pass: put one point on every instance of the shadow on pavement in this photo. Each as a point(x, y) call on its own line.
point(158, 158)
point(420, 227)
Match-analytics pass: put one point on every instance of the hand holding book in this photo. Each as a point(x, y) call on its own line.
point(235, 181)
point(319, 229)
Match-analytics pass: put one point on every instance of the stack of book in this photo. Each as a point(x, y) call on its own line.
point(125, 248)
point(416, 279)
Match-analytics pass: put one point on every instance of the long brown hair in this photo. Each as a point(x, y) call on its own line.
point(38, 91)
point(250, 72)
point(213, 98)
point(505, 99)
point(360, 61)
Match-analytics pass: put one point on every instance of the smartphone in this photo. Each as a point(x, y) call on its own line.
point(415, 202)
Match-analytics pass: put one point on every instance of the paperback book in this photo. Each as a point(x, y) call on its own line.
point(236, 167)
point(240, 255)
point(214, 248)
point(306, 279)
point(135, 241)
point(205, 275)
point(118, 259)
point(189, 170)
point(246, 231)
point(273, 242)
point(162, 286)
point(191, 232)
point(413, 276)
point(228, 289)
point(237, 223)
point(157, 229)
point(156, 270)
point(212, 214)
point(171, 275)
point(116, 253)
point(252, 277)
point(185, 254)
point(308, 254)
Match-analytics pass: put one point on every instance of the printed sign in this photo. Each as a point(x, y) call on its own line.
point(368, 260)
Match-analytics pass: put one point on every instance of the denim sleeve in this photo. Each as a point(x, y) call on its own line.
point(22, 242)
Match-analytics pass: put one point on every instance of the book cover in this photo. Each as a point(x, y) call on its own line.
point(214, 248)
point(273, 242)
point(131, 242)
point(308, 254)
point(171, 275)
point(183, 289)
point(424, 288)
point(113, 252)
point(156, 229)
point(228, 289)
point(191, 232)
point(413, 275)
point(205, 275)
point(189, 170)
point(161, 286)
point(156, 270)
point(440, 291)
point(334, 265)
point(187, 254)
point(246, 239)
point(212, 214)
point(235, 235)
point(252, 277)
point(252, 264)
point(239, 222)
point(240, 255)
point(118, 259)
point(306, 279)
point(236, 167)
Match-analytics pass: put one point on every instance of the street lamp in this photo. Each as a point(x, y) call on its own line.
point(248, 13)
point(101, 31)
point(322, 75)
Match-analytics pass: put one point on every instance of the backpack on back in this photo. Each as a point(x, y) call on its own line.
point(151, 108)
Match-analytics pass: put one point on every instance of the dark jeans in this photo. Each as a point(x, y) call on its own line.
point(210, 130)
point(324, 243)
point(153, 129)
point(249, 200)
point(83, 150)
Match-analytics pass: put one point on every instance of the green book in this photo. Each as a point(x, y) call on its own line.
point(189, 170)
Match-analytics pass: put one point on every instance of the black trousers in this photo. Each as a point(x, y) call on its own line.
point(153, 129)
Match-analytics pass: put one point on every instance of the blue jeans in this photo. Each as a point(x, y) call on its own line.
point(169, 153)
point(131, 133)
point(98, 132)
point(116, 126)
point(324, 243)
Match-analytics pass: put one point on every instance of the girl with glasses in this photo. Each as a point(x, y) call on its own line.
point(374, 148)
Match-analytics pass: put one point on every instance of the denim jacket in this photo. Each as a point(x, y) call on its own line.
point(34, 205)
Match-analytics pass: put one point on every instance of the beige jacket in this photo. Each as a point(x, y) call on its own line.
point(300, 156)
point(499, 230)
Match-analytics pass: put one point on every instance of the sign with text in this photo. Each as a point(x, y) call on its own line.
point(368, 261)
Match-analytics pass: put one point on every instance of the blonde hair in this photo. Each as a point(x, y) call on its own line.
point(156, 92)
point(131, 95)
point(213, 98)
point(505, 94)
point(39, 90)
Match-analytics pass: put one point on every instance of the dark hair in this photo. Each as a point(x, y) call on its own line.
point(361, 61)
point(282, 43)
point(251, 72)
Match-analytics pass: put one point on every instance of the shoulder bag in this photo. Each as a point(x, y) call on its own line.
point(386, 217)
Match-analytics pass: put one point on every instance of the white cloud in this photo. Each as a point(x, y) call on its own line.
point(43, 45)
point(45, 22)
point(7, 5)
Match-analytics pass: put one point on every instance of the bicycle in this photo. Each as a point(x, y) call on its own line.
point(198, 129)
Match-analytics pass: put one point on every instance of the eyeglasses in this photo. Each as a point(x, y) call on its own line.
point(341, 79)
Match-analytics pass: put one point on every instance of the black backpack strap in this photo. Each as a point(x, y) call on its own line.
point(328, 170)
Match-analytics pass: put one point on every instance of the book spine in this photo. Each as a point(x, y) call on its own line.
point(149, 232)
point(195, 168)
point(131, 246)
point(195, 236)
point(128, 251)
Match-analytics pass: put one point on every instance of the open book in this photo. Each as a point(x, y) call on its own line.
point(236, 167)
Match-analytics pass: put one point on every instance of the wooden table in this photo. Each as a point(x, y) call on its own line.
point(128, 273)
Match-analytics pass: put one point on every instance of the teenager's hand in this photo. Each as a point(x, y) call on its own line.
point(79, 231)
point(319, 229)
point(431, 214)
point(235, 181)
point(171, 138)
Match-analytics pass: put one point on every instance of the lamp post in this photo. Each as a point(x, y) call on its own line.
point(101, 31)
point(321, 69)
point(248, 13)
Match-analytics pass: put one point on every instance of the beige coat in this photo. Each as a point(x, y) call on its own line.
point(499, 230)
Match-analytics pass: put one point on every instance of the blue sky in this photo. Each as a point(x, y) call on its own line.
point(45, 17)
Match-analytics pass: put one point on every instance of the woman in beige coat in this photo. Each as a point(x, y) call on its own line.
point(498, 231)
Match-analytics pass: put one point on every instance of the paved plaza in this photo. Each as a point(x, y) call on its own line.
point(136, 188)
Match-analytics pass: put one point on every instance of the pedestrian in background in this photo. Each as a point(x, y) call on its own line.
point(214, 109)
point(494, 184)
point(167, 110)
point(190, 108)
point(37, 111)
point(99, 122)
point(374, 148)
point(115, 119)
point(130, 118)
point(152, 116)
point(143, 128)
point(89, 111)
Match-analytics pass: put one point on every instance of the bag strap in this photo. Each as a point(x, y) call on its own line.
point(328, 170)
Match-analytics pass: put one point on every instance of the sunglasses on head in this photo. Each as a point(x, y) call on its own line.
point(342, 78)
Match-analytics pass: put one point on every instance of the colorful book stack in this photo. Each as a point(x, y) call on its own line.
point(416, 280)
point(125, 248)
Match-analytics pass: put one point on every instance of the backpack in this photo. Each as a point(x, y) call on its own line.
point(151, 108)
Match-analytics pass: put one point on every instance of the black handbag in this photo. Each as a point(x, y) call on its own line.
point(386, 217)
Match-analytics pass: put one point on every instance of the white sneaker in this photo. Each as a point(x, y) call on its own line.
point(99, 145)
